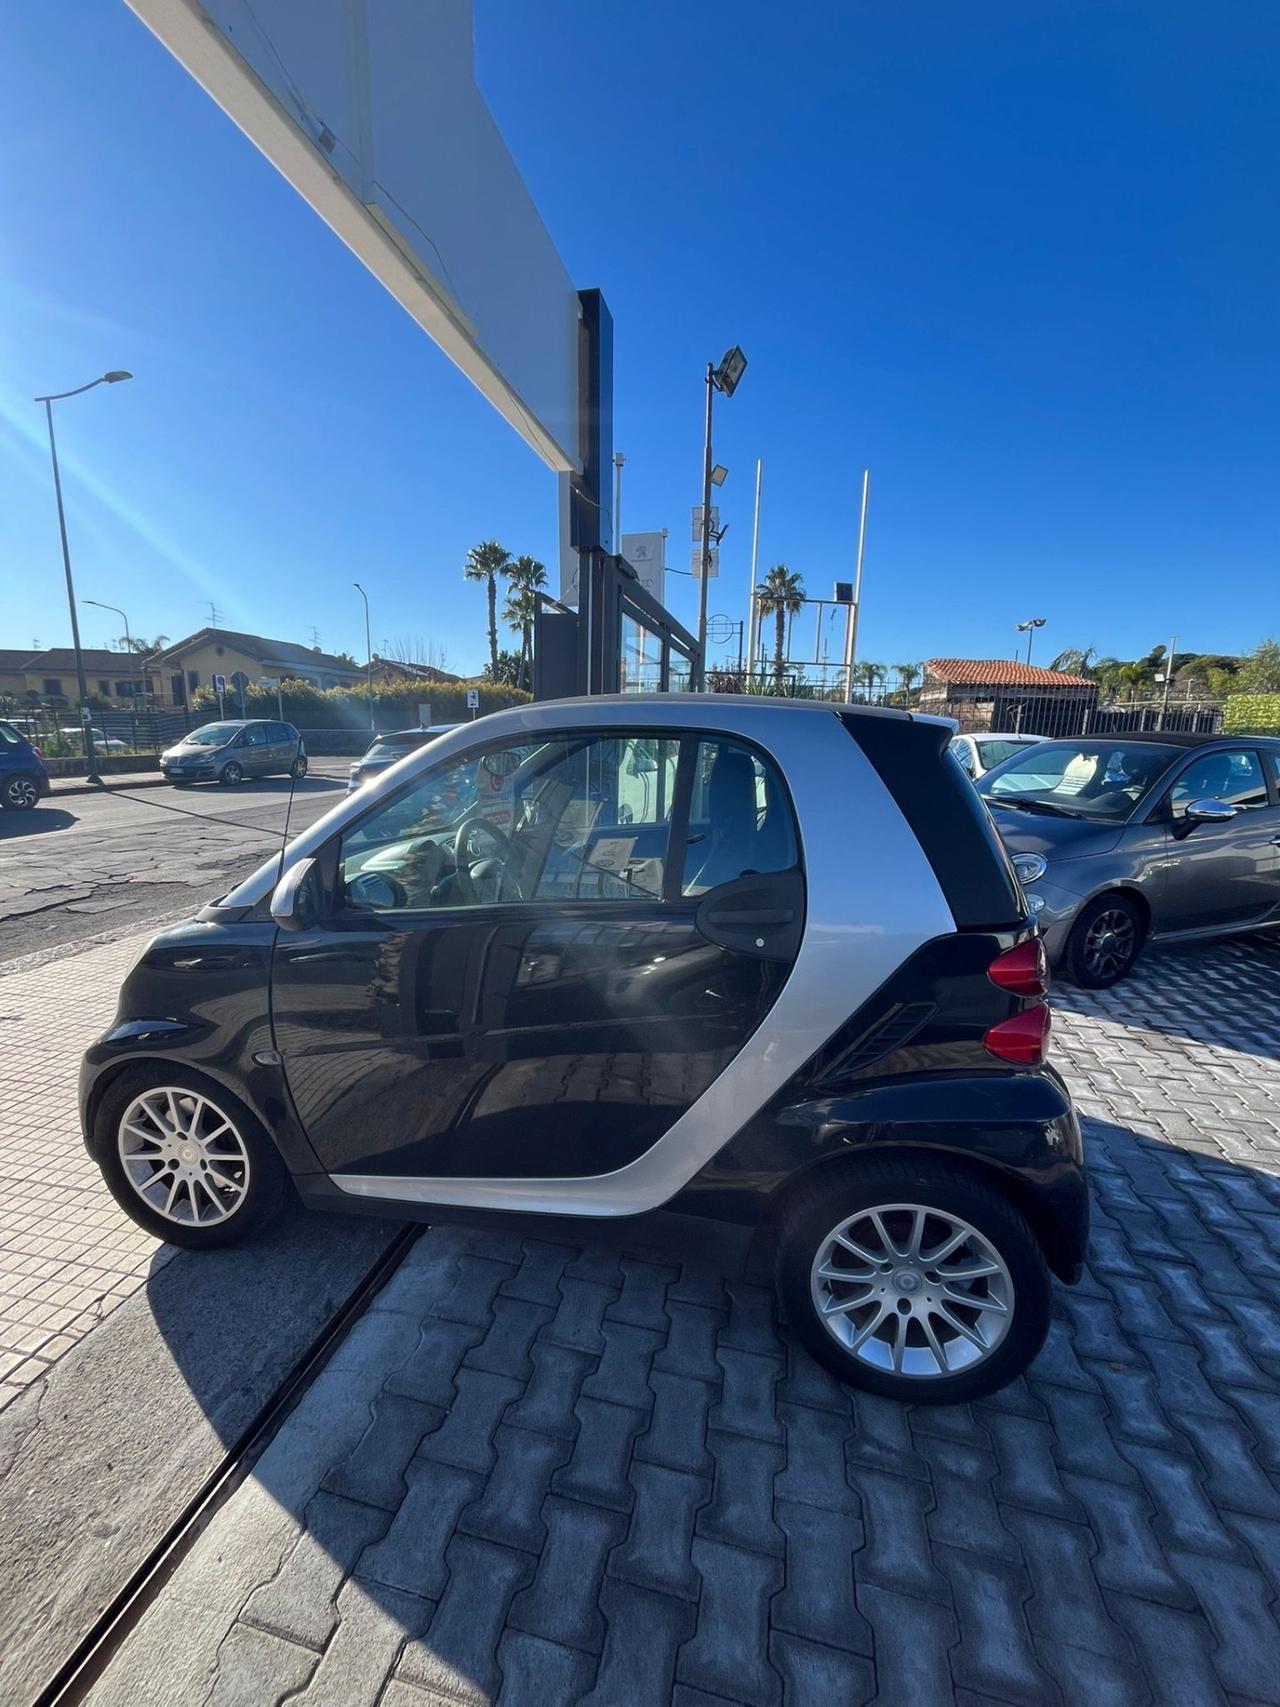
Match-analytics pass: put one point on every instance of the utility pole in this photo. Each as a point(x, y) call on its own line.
point(851, 620)
point(706, 531)
point(618, 460)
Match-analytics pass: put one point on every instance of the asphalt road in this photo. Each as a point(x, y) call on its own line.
point(83, 867)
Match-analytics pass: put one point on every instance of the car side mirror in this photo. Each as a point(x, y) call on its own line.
point(289, 907)
point(1208, 812)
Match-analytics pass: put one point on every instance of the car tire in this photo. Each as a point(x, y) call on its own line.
point(19, 792)
point(298, 769)
point(862, 1344)
point(231, 775)
point(1104, 943)
point(245, 1155)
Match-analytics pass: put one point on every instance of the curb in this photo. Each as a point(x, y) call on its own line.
point(81, 784)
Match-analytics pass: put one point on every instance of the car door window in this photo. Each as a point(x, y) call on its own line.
point(740, 819)
point(578, 818)
point(256, 736)
point(1233, 777)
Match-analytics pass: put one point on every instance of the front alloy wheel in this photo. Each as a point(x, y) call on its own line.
point(231, 774)
point(185, 1158)
point(912, 1275)
point(1104, 943)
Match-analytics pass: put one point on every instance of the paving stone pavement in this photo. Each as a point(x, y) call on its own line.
point(541, 1474)
point(68, 1256)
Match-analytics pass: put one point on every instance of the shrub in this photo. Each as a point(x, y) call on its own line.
point(395, 704)
point(1252, 714)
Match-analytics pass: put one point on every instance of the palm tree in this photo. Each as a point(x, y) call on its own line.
point(868, 674)
point(485, 562)
point(524, 577)
point(780, 595)
point(907, 674)
point(1076, 661)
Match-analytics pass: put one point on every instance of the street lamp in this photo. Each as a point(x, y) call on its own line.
point(128, 641)
point(112, 378)
point(1029, 629)
point(725, 378)
point(368, 648)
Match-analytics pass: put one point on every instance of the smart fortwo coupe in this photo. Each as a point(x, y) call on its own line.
point(755, 959)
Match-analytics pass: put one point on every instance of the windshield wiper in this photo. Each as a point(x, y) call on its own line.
point(1041, 806)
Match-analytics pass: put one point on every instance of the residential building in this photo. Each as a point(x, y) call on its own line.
point(193, 663)
point(397, 670)
point(1000, 693)
point(49, 677)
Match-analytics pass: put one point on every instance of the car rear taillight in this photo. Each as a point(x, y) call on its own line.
point(1022, 1039)
point(1023, 971)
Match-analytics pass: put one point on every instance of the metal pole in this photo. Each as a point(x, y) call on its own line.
point(1031, 634)
point(753, 617)
point(368, 649)
point(706, 534)
point(86, 731)
point(618, 460)
point(1168, 677)
point(851, 622)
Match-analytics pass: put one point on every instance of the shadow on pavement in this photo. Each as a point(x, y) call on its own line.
point(17, 826)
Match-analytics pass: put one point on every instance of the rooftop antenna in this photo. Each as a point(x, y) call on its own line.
point(214, 614)
point(315, 638)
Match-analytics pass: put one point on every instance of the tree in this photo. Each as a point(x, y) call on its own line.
point(1076, 661)
point(868, 674)
point(413, 649)
point(906, 674)
point(524, 577)
point(780, 595)
point(1259, 670)
point(485, 562)
point(144, 648)
point(506, 672)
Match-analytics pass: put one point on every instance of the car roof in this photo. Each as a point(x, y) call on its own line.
point(758, 703)
point(1003, 735)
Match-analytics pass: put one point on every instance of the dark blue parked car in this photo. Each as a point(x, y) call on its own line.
point(23, 778)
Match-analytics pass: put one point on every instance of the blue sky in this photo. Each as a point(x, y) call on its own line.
point(1022, 261)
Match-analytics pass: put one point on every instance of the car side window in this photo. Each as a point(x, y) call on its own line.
point(255, 736)
point(740, 819)
point(1233, 777)
point(9, 736)
point(580, 818)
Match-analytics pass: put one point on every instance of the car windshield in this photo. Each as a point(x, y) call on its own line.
point(1102, 779)
point(212, 735)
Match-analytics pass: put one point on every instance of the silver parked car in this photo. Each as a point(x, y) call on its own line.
point(1121, 839)
point(228, 752)
point(979, 754)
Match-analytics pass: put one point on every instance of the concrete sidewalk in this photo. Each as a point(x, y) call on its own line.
point(60, 785)
point(542, 1473)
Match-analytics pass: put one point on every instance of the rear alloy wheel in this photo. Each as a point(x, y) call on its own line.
point(913, 1278)
point(185, 1160)
point(231, 774)
point(20, 793)
point(1104, 943)
point(298, 769)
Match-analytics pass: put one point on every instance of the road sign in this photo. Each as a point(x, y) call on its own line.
point(270, 683)
point(473, 699)
point(424, 715)
point(219, 684)
point(713, 562)
point(697, 521)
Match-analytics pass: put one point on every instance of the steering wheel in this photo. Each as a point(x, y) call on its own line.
point(464, 856)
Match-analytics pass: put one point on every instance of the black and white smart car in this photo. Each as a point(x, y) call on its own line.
point(753, 959)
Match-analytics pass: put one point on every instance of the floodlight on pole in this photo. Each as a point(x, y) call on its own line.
point(82, 686)
point(725, 378)
point(1029, 629)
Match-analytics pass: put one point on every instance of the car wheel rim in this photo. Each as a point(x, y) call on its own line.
point(1109, 943)
point(22, 792)
point(183, 1156)
point(232, 773)
point(912, 1291)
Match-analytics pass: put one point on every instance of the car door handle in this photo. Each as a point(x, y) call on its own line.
point(730, 918)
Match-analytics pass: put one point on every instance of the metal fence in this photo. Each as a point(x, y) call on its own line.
point(1061, 715)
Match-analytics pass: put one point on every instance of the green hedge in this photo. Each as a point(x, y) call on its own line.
point(1252, 714)
point(395, 704)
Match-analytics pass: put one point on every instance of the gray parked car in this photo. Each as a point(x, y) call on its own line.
point(1121, 839)
point(979, 754)
point(228, 752)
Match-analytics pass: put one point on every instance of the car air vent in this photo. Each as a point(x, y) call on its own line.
point(888, 1034)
